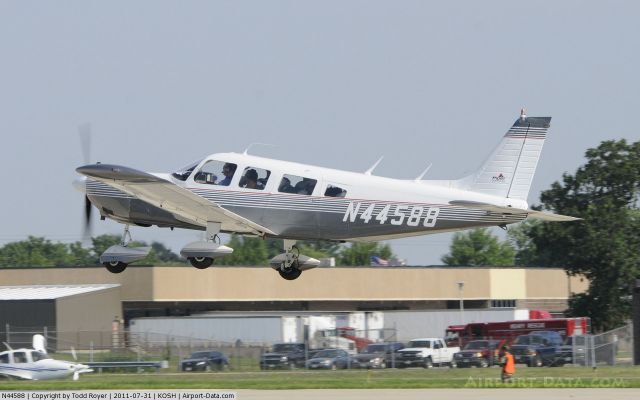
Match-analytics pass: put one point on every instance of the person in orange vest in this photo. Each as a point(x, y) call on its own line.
point(508, 364)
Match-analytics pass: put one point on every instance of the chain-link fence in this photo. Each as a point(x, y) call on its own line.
point(122, 345)
point(348, 349)
point(614, 347)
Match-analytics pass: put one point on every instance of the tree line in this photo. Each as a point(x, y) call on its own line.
point(41, 252)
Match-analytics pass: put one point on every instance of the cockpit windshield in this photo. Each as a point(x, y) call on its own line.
point(38, 355)
point(184, 172)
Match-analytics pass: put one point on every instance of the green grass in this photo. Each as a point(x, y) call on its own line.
point(356, 379)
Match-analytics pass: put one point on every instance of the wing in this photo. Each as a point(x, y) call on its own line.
point(10, 371)
point(185, 205)
point(545, 216)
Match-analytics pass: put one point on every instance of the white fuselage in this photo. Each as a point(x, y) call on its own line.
point(31, 364)
point(368, 207)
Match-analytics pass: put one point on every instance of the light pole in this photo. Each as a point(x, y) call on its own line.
point(461, 289)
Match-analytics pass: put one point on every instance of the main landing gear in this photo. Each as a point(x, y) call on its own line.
point(117, 257)
point(202, 253)
point(291, 263)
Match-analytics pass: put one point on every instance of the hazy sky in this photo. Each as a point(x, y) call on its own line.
point(331, 83)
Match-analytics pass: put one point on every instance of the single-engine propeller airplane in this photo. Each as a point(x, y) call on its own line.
point(35, 364)
point(241, 193)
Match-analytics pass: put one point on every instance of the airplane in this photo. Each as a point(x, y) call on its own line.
point(35, 364)
point(250, 195)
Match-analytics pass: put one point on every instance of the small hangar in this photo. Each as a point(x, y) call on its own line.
point(64, 308)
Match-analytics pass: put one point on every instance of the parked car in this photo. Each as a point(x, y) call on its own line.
point(284, 355)
point(378, 355)
point(426, 353)
point(330, 359)
point(479, 353)
point(205, 361)
point(538, 348)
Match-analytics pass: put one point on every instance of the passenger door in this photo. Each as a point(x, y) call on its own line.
point(438, 350)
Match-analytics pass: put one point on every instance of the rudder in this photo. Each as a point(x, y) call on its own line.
point(509, 170)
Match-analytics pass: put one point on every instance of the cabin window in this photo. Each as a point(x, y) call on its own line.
point(297, 184)
point(254, 178)
point(4, 358)
point(183, 173)
point(216, 172)
point(19, 357)
point(335, 191)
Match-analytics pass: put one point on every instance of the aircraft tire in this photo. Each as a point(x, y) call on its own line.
point(115, 267)
point(201, 262)
point(290, 273)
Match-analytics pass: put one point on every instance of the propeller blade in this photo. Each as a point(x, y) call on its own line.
point(88, 208)
point(73, 354)
point(84, 131)
point(85, 141)
point(76, 375)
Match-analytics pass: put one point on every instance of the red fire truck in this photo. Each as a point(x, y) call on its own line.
point(459, 335)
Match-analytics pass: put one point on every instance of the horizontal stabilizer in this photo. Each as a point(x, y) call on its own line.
point(545, 216)
point(551, 217)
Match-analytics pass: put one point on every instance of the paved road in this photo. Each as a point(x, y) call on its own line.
point(438, 394)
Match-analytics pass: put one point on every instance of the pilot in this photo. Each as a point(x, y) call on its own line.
point(227, 170)
point(251, 179)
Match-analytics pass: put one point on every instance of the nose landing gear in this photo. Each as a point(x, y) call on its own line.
point(117, 257)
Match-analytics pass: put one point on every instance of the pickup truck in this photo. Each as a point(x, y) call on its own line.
point(426, 352)
point(539, 348)
point(479, 353)
point(284, 355)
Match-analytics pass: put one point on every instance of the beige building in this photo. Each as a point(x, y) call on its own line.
point(167, 291)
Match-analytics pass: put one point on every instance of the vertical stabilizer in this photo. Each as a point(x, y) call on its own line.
point(40, 343)
point(509, 170)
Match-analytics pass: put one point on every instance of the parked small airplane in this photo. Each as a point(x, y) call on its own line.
point(241, 193)
point(35, 364)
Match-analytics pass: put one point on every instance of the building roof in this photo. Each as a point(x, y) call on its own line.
point(49, 292)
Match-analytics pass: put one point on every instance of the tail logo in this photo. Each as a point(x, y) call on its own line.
point(498, 179)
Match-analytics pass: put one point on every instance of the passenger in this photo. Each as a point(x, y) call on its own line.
point(508, 364)
point(305, 186)
point(333, 191)
point(285, 186)
point(251, 179)
point(228, 170)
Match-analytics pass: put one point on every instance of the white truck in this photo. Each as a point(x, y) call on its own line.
point(426, 352)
